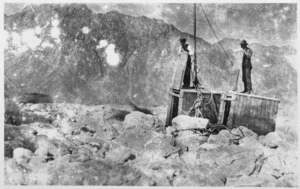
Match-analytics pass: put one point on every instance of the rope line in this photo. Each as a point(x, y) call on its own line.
point(215, 34)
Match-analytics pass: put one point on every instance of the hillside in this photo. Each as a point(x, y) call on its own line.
point(76, 56)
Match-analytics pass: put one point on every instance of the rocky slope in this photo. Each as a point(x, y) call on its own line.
point(76, 56)
point(71, 144)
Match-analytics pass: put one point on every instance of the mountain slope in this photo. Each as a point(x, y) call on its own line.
point(77, 56)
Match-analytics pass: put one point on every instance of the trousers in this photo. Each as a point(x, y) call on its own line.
point(187, 73)
point(246, 74)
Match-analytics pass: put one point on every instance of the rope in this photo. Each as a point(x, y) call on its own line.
point(215, 34)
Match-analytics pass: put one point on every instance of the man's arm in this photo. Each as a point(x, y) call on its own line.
point(191, 52)
point(179, 51)
point(248, 53)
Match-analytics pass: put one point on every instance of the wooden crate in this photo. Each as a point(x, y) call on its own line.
point(254, 112)
point(211, 102)
point(179, 72)
point(172, 106)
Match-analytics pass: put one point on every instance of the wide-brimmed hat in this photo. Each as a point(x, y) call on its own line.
point(243, 42)
point(182, 40)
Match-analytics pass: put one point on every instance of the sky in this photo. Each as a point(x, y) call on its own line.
point(270, 24)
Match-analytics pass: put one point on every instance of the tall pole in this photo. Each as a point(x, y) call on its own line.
point(195, 47)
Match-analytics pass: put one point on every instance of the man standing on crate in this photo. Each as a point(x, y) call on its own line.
point(246, 67)
point(185, 47)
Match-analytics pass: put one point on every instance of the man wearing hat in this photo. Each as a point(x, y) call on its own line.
point(185, 47)
point(246, 67)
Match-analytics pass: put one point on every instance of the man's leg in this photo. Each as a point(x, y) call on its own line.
point(187, 74)
point(244, 79)
point(248, 79)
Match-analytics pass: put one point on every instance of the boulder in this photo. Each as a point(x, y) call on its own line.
point(135, 138)
point(22, 155)
point(11, 132)
point(192, 141)
point(49, 130)
point(229, 161)
point(120, 154)
point(196, 181)
point(44, 147)
point(8, 150)
point(160, 145)
point(272, 140)
point(223, 138)
point(13, 172)
point(79, 173)
point(184, 122)
point(248, 133)
point(139, 119)
point(291, 180)
point(252, 181)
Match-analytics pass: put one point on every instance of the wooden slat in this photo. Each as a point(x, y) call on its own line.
point(257, 103)
point(271, 109)
point(232, 111)
point(170, 108)
point(240, 111)
point(251, 106)
point(221, 110)
point(179, 72)
point(256, 96)
point(263, 113)
point(180, 103)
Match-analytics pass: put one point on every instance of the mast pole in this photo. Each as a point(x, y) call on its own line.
point(195, 47)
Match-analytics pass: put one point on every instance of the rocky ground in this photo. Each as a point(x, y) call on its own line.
point(71, 144)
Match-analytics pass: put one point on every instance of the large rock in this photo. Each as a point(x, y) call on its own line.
point(139, 119)
point(160, 145)
point(21, 155)
point(13, 172)
point(135, 138)
point(120, 154)
point(11, 132)
point(252, 181)
point(8, 150)
point(184, 122)
point(224, 137)
point(241, 132)
point(229, 161)
point(271, 140)
point(192, 141)
point(96, 173)
point(44, 147)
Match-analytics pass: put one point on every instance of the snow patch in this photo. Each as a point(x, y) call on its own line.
point(85, 30)
point(38, 30)
point(47, 44)
point(102, 43)
point(16, 39)
point(55, 23)
point(55, 33)
point(112, 58)
point(267, 65)
point(30, 39)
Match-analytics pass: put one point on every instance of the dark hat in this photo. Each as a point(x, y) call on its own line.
point(243, 42)
point(182, 40)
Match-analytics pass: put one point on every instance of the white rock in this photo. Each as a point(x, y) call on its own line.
point(271, 140)
point(22, 155)
point(183, 122)
point(139, 119)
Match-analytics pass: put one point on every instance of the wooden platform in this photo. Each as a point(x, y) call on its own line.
point(258, 113)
